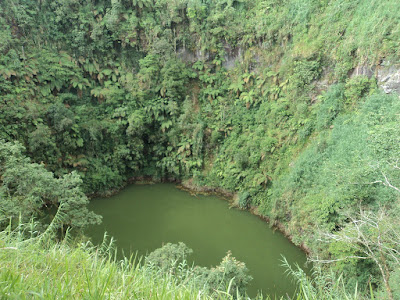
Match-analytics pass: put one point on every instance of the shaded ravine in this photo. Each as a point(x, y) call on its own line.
point(143, 217)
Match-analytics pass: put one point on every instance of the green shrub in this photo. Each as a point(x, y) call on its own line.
point(332, 103)
point(230, 275)
point(357, 88)
point(244, 200)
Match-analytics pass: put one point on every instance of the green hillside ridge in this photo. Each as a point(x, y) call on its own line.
point(281, 102)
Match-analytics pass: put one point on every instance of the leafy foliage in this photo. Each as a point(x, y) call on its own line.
point(26, 188)
point(253, 97)
point(230, 275)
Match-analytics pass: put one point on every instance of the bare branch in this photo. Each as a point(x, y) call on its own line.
point(329, 261)
point(387, 183)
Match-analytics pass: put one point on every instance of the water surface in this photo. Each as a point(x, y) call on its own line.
point(143, 217)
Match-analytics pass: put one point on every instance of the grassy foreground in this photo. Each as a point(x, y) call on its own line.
point(35, 267)
point(46, 270)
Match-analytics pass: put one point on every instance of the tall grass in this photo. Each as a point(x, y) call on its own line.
point(34, 267)
point(322, 285)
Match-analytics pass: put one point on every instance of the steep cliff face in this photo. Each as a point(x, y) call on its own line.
point(388, 77)
point(386, 74)
point(262, 98)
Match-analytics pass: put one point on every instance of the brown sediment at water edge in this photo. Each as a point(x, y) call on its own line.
point(190, 187)
point(281, 228)
point(139, 180)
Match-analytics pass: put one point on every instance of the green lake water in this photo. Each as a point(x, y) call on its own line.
point(143, 217)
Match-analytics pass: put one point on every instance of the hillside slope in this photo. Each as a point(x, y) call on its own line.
point(286, 103)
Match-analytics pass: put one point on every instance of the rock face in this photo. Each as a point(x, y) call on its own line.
point(231, 57)
point(363, 70)
point(188, 56)
point(387, 76)
point(389, 79)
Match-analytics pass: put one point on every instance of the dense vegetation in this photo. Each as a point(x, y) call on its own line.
point(255, 97)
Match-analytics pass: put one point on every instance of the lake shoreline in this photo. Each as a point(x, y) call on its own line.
point(189, 186)
point(148, 214)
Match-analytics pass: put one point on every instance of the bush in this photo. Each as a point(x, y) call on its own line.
point(244, 200)
point(331, 105)
point(230, 275)
point(358, 87)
